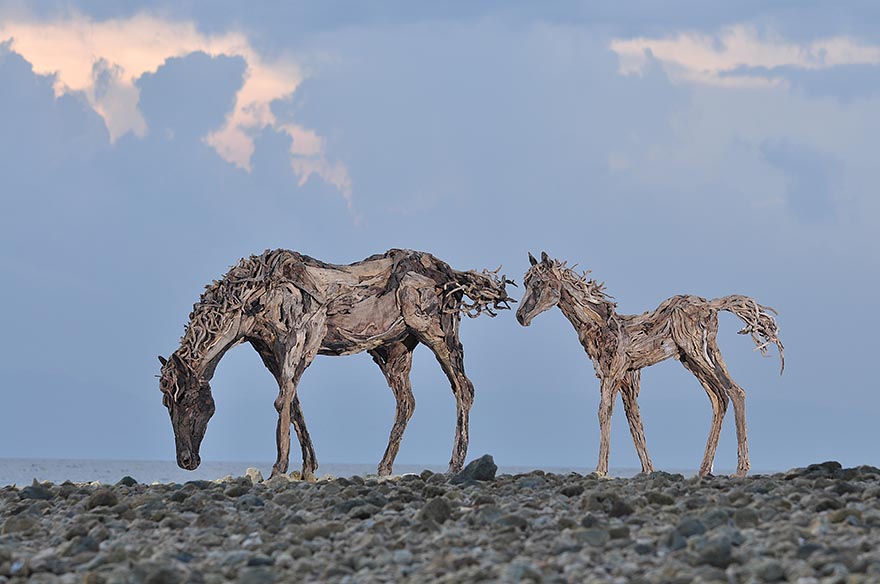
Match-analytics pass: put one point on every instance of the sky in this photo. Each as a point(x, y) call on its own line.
point(698, 147)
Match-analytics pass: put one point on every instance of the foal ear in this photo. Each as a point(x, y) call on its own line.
point(532, 259)
point(162, 360)
point(545, 258)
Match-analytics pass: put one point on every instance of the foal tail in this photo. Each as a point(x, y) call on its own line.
point(759, 321)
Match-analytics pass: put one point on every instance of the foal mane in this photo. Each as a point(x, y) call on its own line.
point(588, 287)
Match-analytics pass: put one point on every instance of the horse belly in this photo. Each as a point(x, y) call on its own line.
point(354, 327)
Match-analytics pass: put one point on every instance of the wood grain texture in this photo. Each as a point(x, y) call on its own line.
point(291, 307)
point(620, 346)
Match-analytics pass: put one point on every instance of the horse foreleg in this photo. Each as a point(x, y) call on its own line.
point(630, 394)
point(395, 361)
point(606, 408)
point(309, 460)
point(283, 405)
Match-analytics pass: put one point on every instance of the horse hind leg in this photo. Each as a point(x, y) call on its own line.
point(450, 356)
point(395, 361)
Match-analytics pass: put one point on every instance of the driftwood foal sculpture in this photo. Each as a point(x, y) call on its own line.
point(291, 307)
point(684, 327)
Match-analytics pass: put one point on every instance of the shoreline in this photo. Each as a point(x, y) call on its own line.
point(23, 471)
point(819, 523)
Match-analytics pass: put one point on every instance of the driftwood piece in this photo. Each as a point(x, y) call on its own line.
point(620, 346)
point(291, 307)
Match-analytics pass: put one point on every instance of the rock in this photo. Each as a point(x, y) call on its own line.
point(102, 498)
point(619, 532)
point(322, 530)
point(531, 482)
point(745, 517)
point(127, 481)
point(403, 556)
point(715, 517)
point(594, 536)
point(620, 508)
point(254, 475)
point(481, 469)
point(571, 490)
point(36, 491)
point(715, 550)
point(658, 498)
point(512, 520)
point(47, 561)
point(159, 573)
point(260, 561)
point(690, 526)
point(236, 490)
point(522, 572)
point(256, 575)
point(436, 509)
point(80, 544)
point(19, 524)
point(590, 520)
point(768, 570)
point(364, 511)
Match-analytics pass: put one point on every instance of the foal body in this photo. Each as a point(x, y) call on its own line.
point(620, 346)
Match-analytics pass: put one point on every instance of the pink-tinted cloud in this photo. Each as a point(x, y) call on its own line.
point(102, 60)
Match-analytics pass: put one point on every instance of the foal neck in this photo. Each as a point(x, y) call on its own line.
point(584, 304)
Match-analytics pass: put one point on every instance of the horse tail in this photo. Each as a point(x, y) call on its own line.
point(759, 322)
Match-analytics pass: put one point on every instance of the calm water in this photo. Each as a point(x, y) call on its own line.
point(22, 471)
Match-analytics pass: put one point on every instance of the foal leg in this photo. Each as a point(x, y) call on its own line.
point(606, 408)
point(738, 397)
point(395, 361)
point(718, 397)
point(629, 391)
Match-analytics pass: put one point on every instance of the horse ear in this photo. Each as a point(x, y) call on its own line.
point(545, 258)
point(532, 259)
point(162, 360)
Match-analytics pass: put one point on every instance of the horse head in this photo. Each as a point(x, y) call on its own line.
point(190, 405)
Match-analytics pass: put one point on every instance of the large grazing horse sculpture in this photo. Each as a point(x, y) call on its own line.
point(684, 327)
point(291, 307)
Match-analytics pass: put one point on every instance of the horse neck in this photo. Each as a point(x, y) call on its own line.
point(207, 338)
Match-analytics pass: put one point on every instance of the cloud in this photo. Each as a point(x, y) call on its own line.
point(720, 59)
point(102, 61)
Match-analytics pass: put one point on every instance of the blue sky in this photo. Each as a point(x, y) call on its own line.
point(705, 149)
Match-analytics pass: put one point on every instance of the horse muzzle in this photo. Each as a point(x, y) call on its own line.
point(188, 460)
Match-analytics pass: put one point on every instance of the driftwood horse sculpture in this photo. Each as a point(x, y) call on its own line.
point(684, 327)
point(291, 307)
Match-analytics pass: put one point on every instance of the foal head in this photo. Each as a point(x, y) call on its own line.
point(544, 285)
point(543, 289)
point(190, 405)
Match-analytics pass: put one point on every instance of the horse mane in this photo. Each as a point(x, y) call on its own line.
point(259, 273)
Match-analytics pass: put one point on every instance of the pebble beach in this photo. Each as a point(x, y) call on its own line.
point(818, 524)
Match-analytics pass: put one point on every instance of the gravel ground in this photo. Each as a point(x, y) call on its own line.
point(814, 524)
